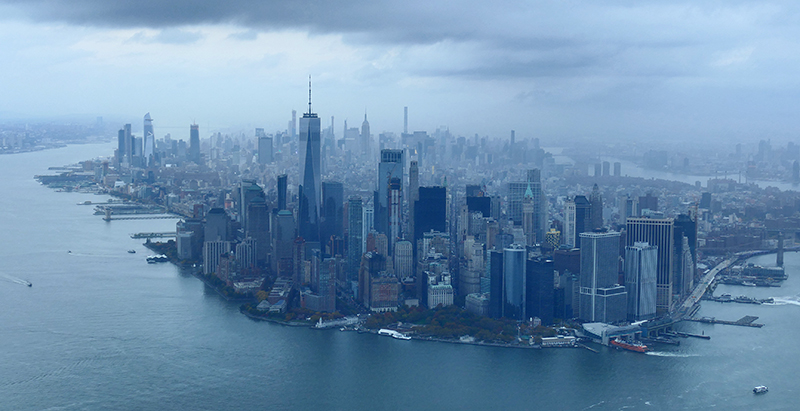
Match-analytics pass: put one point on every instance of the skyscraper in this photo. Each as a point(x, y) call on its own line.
point(248, 191)
point(516, 195)
point(310, 188)
point(514, 301)
point(596, 200)
point(570, 227)
point(389, 168)
point(283, 243)
point(494, 265)
point(430, 211)
point(657, 232)
point(128, 144)
point(258, 229)
point(528, 223)
point(641, 260)
point(685, 253)
point(149, 138)
point(355, 232)
point(332, 214)
point(293, 124)
point(265, 150)
point(413, 194)
point(121, 146)
point(539, 289)
point(577, 219)
point(395, 214)
point(366, 140)
point(405, 120)
point(403, 259)
point(282, 183)
point(601, 297)
point(194, 143)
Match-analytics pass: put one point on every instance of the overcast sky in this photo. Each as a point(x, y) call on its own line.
point(607, 69)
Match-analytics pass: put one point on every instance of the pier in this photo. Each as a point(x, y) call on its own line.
point(160, 217)
point(154, 235)
point(746, 321)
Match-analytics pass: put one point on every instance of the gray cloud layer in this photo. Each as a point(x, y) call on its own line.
point(721, 57)
point(515, 38)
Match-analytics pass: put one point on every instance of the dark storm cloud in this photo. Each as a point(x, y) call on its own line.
point(395, 20)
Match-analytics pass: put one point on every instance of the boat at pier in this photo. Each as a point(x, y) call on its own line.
point(393, 334)
point(630, 346)
point(161, 258)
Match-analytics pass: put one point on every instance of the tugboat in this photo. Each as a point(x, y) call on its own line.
point(760, 389)
point(630, 346)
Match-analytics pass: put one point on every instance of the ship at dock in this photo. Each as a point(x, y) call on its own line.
point(630, 346)
point(393, 334)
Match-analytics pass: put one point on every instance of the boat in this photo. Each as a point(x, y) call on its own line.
point(630, 346)
point(748, 284)
point(131, 251)
point(30, 284)
point(760, 389)
point(393, 334)
point(161, 258)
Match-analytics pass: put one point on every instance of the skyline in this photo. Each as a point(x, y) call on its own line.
point(548, 70)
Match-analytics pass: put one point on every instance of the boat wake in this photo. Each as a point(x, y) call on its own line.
point(12, 279)
point(791, 300)
point(670, 354)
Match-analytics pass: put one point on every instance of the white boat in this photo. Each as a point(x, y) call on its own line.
point(393, 334)
point(760, 389)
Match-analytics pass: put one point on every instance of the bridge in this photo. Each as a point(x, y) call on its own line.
point(154, 235)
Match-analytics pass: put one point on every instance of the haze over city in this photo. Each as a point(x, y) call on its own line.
point(617, 69)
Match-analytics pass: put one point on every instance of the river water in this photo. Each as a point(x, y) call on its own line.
point(102, 329)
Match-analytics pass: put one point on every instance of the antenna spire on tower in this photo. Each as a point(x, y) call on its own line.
point(309, 94)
